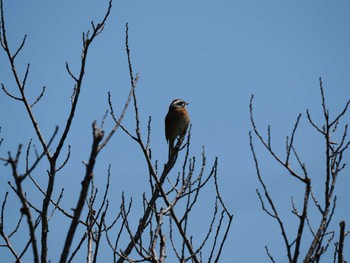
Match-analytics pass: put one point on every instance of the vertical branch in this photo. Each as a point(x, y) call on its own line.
point(2, 233)
point(133, 81)
point(333, 167)
point(24, 202)
point(90, 223)
point(225, 210)
point(302, 219)
point(341, 242)
point(97, 137)
point(327, 146)
point(99, 233)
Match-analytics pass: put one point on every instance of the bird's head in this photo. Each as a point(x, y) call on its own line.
point(178, 103)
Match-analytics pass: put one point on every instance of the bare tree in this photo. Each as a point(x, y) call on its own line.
point(322, 236)
point(164, 223)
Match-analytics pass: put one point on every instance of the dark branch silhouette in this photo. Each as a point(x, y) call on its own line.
point(334, 165)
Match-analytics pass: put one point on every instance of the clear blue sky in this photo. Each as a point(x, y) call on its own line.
point(214, 55)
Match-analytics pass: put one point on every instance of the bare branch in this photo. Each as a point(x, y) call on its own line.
point(341, 242)
point(65, 161)
point(3, 210)
point(333, 157)
point(118, 124)
point(8, 244)
point(20, 47)
point(290, 145)
point(312, 122)
point(340, 115)
point(2, 233)
point(285, 165)
point(274, 213)
point(119, 120)
point(97, 137)
point(78, 247)
point(269, 254)
point(24, 202)
point(9, 94)
point(86, 44)
point(38, 157)
point(39, 97)
point(25, 78)
point(70, 73)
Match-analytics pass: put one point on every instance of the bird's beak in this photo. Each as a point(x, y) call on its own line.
point(187, 103)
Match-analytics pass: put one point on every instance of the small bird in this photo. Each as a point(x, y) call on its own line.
point(176, 122)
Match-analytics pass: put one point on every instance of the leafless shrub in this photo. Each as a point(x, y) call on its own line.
point(334, 153)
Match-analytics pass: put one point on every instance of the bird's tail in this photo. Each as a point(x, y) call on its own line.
point(171, 148)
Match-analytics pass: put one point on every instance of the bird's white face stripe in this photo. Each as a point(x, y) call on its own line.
point(179, 103)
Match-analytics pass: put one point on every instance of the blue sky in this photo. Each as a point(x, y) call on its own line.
point(214, 55)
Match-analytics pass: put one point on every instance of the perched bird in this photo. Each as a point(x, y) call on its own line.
point(176, 122)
